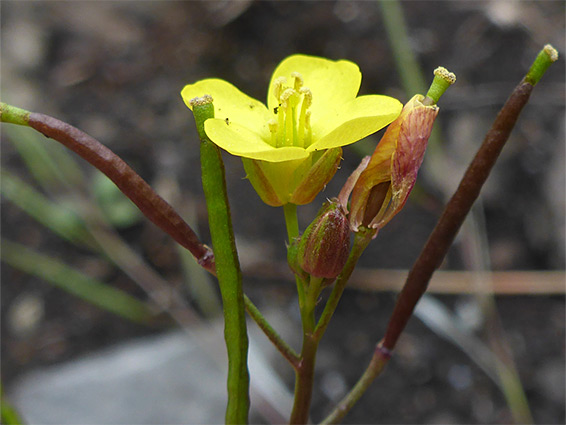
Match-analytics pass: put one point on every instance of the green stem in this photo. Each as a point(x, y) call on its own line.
point(292, 224)
point(361, 241)
point(13, 115)
point(545, 58)
point(304, 373)
point(227, 268)
point(291, 221)
point(304, 378)
point(380, 358)
point(312, 332)
point(304, 370)
point(285, 350)
point(411, 77)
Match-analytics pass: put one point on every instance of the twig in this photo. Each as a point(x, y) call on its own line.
point(285, 350)
point(128, 181)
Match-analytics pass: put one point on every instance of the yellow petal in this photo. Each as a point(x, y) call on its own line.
point(230, 103)
point(357, 119)
point(332, 83)
point(240, 141)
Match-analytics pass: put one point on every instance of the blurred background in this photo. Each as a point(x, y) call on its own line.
point(115, 70)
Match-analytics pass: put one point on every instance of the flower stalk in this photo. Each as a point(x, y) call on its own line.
point(378, 361)
point(286, 351)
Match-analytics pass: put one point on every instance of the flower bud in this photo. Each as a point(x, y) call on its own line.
point(324, 247)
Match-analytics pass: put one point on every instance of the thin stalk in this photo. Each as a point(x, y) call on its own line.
point(292, 225)
point(313, 331)
point(508, 378)
point(412, 78)
point(304, 379)
point(304, 370)
point(304, 373)
point(227, 267)
point(291, 221)
point(376, 365)
point(285, 350)
point(361, 241)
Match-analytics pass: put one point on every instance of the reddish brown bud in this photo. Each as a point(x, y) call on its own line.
point(324, 247)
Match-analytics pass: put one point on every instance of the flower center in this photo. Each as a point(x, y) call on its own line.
point(291, 125)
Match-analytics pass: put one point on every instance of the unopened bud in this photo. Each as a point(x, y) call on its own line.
point(324, 247)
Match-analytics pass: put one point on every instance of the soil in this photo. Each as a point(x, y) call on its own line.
point(115, 70)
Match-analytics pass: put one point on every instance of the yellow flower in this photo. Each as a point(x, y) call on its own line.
point(291, 147)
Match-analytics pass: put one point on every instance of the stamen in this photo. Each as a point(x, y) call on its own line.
point(299, 81)
point(272, 124)
point(288, 129)
point(288, 101)
point(286, 97)
point(308, 129)
point(307, 96)
point(278, 87)
point(307, 101)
